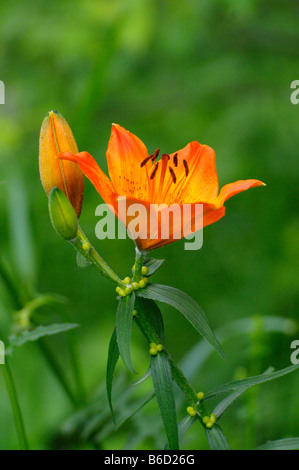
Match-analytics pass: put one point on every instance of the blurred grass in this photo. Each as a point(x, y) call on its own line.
point(214, 71)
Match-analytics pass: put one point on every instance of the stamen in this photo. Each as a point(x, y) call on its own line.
point(155, 171)
point(144, 162)
point(186, 168)
point(155, 155)
point(172, 173)
point(175, 159)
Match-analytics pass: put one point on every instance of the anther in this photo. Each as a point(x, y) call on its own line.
point(172, 174)
point(175, 159)
point(155, 171)
point(186, 167)
point(155, 154)
point(147, 159)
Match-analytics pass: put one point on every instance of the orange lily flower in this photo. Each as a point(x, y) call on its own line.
point(188, 176)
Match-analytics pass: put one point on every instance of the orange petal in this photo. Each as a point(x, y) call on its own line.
point(231, 189)
point(201, 183)
point(124, 155)
point(179, 227)
point(93, 172)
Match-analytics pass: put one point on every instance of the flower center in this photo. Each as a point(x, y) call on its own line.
point(159, 171)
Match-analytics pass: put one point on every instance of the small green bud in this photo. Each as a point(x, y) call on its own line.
point(127, 280)
point(63, 215)
point(153, 351)
point(134, 313)
point(122, 292)
point(209, 424)
point(206, 419)
point(141, 284)
point(160, 347)
point(86, 246)
point(191, 411)
point(117, 289)
point(133, 268)
point(128, 290)
point(200, 395)
point(135, 285)
point(213, 418)
point(153, 345)
point(144, 270)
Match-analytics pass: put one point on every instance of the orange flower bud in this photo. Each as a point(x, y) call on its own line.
point(56, 137)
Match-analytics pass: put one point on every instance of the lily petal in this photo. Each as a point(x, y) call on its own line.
point(197, 178)
point(93, 172)
point(231, 189)
point(124, 156)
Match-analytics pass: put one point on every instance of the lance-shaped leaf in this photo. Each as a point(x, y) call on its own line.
point(124, 316)
point(291, 443)
point(113, 356)
point(152, 265)
point(37, 333)
point(250, 381)
point(224, 404)
point(217, 439)
point(163, 385)
point(149, 319)
point(184, 426)
point(186, 305)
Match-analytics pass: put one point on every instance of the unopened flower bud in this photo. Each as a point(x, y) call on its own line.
point(56, 137)
point(63, 215)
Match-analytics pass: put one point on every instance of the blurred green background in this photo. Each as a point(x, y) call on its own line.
point(216, 71)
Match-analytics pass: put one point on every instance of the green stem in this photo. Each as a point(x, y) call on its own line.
point(84, 247)
point(139, 258)
point(18, 419)
point(152, 336)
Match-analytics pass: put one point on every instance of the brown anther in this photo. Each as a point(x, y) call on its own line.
point(144, 162)
point(155, 171)
point(186, 167)
point(172, 174)
point(155, 155)
point(175, 159)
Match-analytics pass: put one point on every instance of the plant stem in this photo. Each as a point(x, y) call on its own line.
point(18, 418)
point(84, 247)
point(139, 258)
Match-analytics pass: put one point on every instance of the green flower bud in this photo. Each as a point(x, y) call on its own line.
point(63, 215)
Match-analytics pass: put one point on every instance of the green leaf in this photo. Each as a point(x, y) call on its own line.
point(150, 320)
point(291, 443)
point(194, 359)
point(217, 439)
point(139, 408)
point(113, 356)
point(37, 333)
point(184, 426)
point(186, 305)
point(143, 378)
point(164, 391)
point(124, 318)
point(152, 265)
point(224, 404)
point(250, 381)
